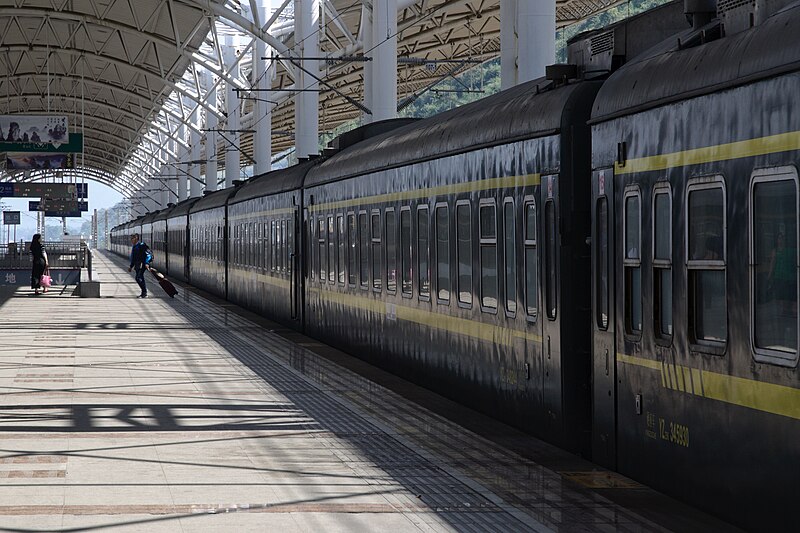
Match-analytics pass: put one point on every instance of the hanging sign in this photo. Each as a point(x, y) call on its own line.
point(11, 218)
point(58, 205)
point(66, 191)
point(49, 129)
point(38, 161)
point(73, 145)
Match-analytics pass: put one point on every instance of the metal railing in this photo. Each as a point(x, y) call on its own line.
point(59, 255)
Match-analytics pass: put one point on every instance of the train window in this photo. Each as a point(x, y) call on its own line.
point(377, 251)
point(602, 266)
point(531, 260)
point(551, 249)
point(331, 250)
point(510, 256)
point(662, 262)
point(423, 252)
point(277, 247)
point(405, 249)
point(488, 247)
point(391, 251)
point(706, 264)
point(464, 251)
point(363, 239)
point(342, 248)
point(633, 262)
point(267, 245)
point(323, 257)
point(289, 244)
point(284, 248)
point(274, 243)
point(774, 265)
point(442, 253)
point(352, 243)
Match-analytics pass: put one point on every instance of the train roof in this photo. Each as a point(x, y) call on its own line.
point(162, 214)
point(149, 217)
point(528, 110)
point(275, 181)
point(182, 208)
point(668, 73)
point(213, 200)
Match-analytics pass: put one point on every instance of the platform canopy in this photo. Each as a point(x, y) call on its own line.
point(130, 73)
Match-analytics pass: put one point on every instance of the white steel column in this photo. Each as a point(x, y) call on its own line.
point(536, 38)
point(384, 59)
point(262, 114)
point(508, 43)
point(232, 159)
point(172, 170)
point(306, 22)
point(365, 35)
point(195, 185)
point(181, 170)
point(212, 123)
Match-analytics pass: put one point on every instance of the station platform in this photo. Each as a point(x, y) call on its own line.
point(189, 414)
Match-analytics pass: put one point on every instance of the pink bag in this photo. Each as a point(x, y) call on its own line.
point(46, 281)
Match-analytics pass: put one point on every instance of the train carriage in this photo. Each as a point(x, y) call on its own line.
point(207, 242)
point(159, 240)
point(695, 198)
point(447, 251)
point(178, 259)
point(264, 243)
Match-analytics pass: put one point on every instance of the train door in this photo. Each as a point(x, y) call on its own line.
point(603, 328)
point(295, 273)
point(551, 314)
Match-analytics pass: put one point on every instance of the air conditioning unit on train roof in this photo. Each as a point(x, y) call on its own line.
point(740, 15)
point(599, 52)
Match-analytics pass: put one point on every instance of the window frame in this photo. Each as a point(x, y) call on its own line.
point(364, 242)
point(376, 242)
point(461, 303)
point(488, 242)
point(332, 248)
point(386, 235)
point(423, 297)
point(631, 191)
point(531, 243)
point(446, 207)
point(758, 176)
point(351, 245)
point(341, 250)
point(661, 188)
point(715, 181)
point(408, 247)
point(509, 200)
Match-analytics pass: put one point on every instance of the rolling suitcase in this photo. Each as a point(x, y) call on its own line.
point(166, 284)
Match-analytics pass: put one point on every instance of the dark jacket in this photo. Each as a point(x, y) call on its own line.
point(139, 254)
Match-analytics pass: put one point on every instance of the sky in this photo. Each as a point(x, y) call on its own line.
point(100, 197)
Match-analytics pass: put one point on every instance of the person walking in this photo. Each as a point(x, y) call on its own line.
point(39, 265)
point(141, 256)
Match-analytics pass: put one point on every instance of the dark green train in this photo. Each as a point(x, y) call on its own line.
point(605, 258)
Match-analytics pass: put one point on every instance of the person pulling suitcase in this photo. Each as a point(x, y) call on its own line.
point(141, 257)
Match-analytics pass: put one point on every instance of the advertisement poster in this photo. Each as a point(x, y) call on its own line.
point(73, 145)
point(50, 129)
point(38, 161)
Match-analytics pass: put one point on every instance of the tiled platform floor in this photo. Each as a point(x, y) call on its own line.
point(185, 415)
